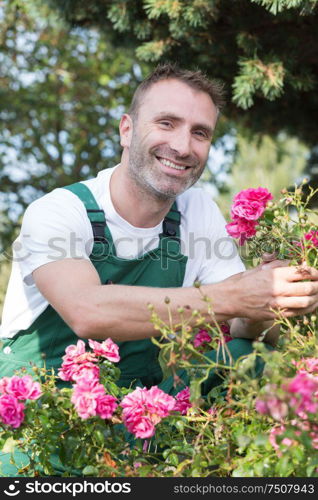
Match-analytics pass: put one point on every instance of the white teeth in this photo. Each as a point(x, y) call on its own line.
point(169, 163)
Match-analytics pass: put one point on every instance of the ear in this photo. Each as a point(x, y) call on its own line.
point(125, 130)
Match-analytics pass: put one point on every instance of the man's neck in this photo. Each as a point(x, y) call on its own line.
point(135, 205)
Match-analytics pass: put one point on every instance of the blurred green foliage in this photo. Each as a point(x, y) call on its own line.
point(61, 95)
point(263, 50)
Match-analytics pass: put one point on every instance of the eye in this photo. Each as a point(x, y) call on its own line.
point(165, 123)
point(201, 134)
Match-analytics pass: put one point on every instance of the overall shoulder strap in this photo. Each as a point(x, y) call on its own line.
point(170, 236)
point(94, 213)
point(171, 223)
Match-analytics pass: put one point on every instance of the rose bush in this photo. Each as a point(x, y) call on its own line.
point(246, 426)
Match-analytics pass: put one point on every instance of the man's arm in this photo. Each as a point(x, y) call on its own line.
point(248, 329)
point(91, 309)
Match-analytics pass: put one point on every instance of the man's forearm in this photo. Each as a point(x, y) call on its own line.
point(251, 329)
point(121, 311)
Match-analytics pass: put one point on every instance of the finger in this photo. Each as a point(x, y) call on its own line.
point(291, 313)
point(295, 303)
point(269, 257)
point(275, 263)
point(302, 272)
point(300, 289)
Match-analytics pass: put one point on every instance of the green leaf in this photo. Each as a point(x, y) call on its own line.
point(90, 470)
point(10, 445)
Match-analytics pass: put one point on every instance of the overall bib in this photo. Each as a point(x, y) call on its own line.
point(46, 339)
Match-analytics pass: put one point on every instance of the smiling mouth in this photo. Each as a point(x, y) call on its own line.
point(171, 164)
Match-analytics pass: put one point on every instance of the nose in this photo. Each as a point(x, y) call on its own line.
point(180, 142)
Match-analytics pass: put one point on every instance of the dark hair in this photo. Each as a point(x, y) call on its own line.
point(195, 79)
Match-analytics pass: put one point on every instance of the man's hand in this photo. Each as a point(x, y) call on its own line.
point(275, 286)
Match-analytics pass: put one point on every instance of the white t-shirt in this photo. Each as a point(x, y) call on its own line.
point(56, 227)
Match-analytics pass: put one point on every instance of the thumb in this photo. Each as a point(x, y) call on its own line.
point(269, 257)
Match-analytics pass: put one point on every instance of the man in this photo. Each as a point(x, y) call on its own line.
point(93, 255)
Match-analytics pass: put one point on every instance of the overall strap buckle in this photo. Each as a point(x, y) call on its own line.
point(98, 225)
point(170, 228)
point(171, 224)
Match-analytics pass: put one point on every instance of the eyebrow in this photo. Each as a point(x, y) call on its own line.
point(168, 115)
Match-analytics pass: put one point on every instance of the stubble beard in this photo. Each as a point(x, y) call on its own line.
point(144, 172)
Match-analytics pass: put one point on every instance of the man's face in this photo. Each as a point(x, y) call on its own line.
point(170, 139)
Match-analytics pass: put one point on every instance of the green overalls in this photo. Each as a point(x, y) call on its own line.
point(164, 267)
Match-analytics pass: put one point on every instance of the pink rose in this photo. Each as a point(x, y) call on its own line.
point(183, 401)
point(85, 395)
point(248, 206)
point(22, 387)
point(278, 409)
point(242, 229)
point(142, 427)
point(276, 431)
point(312, 236)
point(305, 387)
point(73, 351)
point(261, 195)
point(261, 407)
point(309, 365)
point(202, 337)
point(3, 384)
point(77, 354)
point(225, 328)
point(106, 405)
point(107, 349)
point(71, 371)
point(213, 411)
point(89, 372)
point(144, 408)
point(159, 403)
point(11, 411)
point(248, 210)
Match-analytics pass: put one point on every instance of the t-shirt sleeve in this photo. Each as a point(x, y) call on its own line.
point(54, 227)
point(223, 260)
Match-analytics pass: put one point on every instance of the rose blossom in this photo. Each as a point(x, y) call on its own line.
point(77, 354)
point(248, 206)
point(183, 401)
point(159, 403)
point(75, 360)
point(202, 337)
point(262, 195)
point(278, 409)
point(225, 329)
point(272, 406)
point(11, 411)
point(248, 210)
point(142, 427)
point(107, 349)
point(85, 395)
point(305, 386)
point(312, 236)
point(21, 387)
point(309, 365)
point(242, 229)
point(106, 405)
point(261, 406)
point(144, 408)
point(71, 371)
point(3, 384)
point(75, 351)
point(89, 371)
point(278, 431)
point(213, 411)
